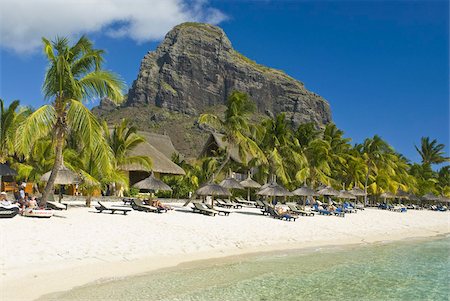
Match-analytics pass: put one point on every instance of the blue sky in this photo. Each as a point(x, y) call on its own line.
point(383, 66)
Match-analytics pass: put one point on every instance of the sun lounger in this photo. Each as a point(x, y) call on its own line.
point(284, 216)
point(349, 209)
point(56, 205)
point(139, 205)
point(127, 201)
point(102, 207)
point(222, 203)
point(235, 205)
point(220, 210)
point(399, 209)
point(260, 204)
point(201, 208)
point(295, 209)
point(339, 212)
point(245, 202)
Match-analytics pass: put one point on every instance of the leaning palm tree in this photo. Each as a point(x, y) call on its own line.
point(74, 75)
point(236, 128)
point(431, 152)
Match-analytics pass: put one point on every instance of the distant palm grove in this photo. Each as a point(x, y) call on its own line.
point(65, 132)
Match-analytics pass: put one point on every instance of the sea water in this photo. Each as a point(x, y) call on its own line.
point(409, 270)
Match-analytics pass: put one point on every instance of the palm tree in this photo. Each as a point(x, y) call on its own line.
point(339, 151)
point(9, 119)
point(235, 127)
point(74, 75)
point(431, 152)
point(377, 154)
point(318, 169)
point(281, 149)
point(122, 140)
point(306, 133)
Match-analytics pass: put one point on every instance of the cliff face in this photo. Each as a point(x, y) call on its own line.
point(195, 67)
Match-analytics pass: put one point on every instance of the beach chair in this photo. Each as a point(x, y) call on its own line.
point(265, 210)
point(222, 203)
point(233, 204)
point(220, 210)
point(349, 208)
point(139, 205)
point(56, 205)
point(102, 207)
point(127, 201)
point(260, 204)
point(339, 212)
point(284, 216)
point(297, 210)
point(321, 211)
point(398, 208)
point(201, 208)
point(245, 202)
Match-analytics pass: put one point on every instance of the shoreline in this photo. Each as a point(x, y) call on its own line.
point(96, 258)
point(145, 266)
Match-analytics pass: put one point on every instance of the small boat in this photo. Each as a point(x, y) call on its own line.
point(8, 211)
point(43, 213)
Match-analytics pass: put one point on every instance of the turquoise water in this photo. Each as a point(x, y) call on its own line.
point(416, 270)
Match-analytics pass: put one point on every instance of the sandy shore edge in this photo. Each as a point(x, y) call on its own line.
point(80, 273)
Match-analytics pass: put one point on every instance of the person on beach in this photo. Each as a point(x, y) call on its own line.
point(22, 190)
point(3, 199)
point(159, 205)
point(32, 203)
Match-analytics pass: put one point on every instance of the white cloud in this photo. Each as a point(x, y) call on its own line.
point(23, 23)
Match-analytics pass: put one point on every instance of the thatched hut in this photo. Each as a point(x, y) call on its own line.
point(159, 148)
point(215, 143)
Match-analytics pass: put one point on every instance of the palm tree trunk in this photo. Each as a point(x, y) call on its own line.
point(365, 185)
point(220, 168)
point(56, 166)
point(88, 200)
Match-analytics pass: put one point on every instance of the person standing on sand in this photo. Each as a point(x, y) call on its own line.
point(22, 190)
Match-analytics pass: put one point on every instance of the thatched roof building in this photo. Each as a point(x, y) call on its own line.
point(215, 142)
point(162, 143)
point(159, 148)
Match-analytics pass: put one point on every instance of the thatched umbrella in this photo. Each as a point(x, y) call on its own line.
point(356, 191)
point(402, 195)
point(430, 197)
point(328, 191)
point(344, 194)
point(273, 189)
point(387, 195)
point(212, 190)
point(231, 183)
point(152, 183)
point(413, 197)
point(64, 176)
point(304, 191)
point(444, 199)
point(5, 170)
point(249, 183)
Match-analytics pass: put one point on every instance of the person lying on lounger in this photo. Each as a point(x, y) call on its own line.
point(159, 205)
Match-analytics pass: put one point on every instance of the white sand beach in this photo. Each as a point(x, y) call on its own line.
point(79, 246)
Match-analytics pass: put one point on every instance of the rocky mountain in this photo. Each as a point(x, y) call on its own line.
point(195, 67)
